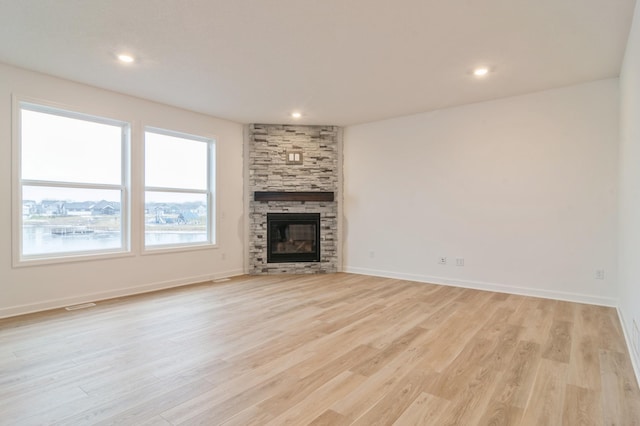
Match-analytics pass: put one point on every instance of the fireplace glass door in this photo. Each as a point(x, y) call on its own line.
point(293, 237)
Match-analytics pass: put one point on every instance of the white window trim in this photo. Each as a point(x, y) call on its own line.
point(211, 192)
point(40, 105)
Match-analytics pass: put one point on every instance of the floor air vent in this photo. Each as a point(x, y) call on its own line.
point(80, 306)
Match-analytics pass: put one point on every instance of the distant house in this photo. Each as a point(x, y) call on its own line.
point(188, 217)
point(29, 207)
point(105, 208)
point(52, 208)
point(159, 214)
point(79, 208)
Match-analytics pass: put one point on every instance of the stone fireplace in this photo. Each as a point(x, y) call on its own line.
point(293, 178)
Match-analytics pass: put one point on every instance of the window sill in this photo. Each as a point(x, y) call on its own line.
point(164, 249)
point(69, 258)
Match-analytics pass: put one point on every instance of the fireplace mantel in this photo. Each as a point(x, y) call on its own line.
point(293, 196)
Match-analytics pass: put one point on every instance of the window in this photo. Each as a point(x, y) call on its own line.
point(72, 183)
point(179, 184)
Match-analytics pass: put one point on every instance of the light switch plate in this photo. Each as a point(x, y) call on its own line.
point(294, 157)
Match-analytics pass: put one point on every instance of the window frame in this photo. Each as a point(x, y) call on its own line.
point(210, 191)
point(19, 259)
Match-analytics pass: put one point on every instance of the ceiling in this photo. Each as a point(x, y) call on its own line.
point(339, 62)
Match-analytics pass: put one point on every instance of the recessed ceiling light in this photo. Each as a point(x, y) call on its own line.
point(296, 114)
point(127, 59)
point(481, 71)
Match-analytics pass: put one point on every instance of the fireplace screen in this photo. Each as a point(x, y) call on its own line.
point(293, 237)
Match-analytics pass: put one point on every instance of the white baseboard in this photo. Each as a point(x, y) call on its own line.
point(629, 341)
point(121, 292)
point(500, 288)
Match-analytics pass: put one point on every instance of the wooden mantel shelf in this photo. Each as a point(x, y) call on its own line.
point(293, 196)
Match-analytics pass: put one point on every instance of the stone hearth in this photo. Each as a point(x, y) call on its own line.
point(271, 169)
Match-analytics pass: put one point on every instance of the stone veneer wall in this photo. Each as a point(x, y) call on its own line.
point(269, 171)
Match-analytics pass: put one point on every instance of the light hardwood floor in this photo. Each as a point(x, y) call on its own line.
point(323, 350)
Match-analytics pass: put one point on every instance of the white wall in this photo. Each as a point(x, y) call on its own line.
point(629, 231)
point(522, 188)
point(26, 289)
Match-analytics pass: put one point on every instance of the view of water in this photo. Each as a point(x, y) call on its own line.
point(40, 240)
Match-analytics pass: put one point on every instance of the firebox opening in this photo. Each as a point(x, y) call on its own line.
point(293, 237)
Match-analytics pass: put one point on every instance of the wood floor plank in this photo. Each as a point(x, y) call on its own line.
point(458, 332)
point(438, 314)
point(154, 421)
point(305, 386)
point(558, 345)
point(565, 311)
point(519, 376)
point(19, 407)
point(104, 407)
point(402, 343)
point(546, 398)
point(424, 410)
point(330, 418)
point(317, 402)
point(470, 404)
point(215, 407)
point(581, 407)
point(334, 325)
point(251, 416)
point(399, 397)
point(524, 311)
point(619, 389)
point(335, 349)
point(498, 414)
point(456, 376)
point(407, 317)
point(609, 330)
point(148, 407)
point(584, 368)
point(325, 351)
point(537, 321)
point(376, 386)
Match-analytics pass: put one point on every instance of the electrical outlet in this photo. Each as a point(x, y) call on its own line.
point(372, 254)
point(459, 261)
point(442, 260)
point(636, 339)
point(224, 256)
point(599, 274)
